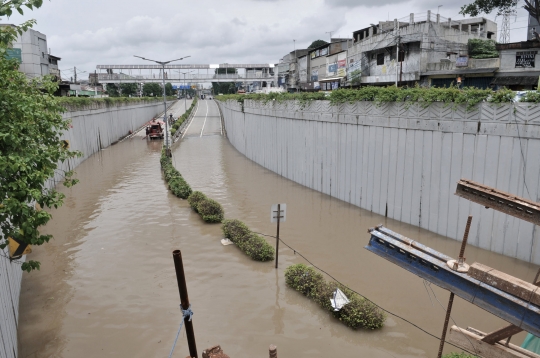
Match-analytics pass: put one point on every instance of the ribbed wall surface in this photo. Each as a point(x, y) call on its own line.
point(403, 162)
point(94, 128)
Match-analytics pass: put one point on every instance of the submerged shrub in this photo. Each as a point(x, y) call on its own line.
point(235, 230)
point(195, 198)
point(358, 313)
point(252, 244)
point(210, 210)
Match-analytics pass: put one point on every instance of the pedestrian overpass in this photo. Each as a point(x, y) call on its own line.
point(185, 73)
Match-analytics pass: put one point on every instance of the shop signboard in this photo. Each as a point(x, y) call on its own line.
point(342, 68)
point(462, 61)
point(525, 59)
point(14, 53)
point(314, 75)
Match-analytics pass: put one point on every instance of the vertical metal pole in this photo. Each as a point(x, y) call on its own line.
point(451, 300)
point(167, 152)
point(272, 351)
point(397, 54)
point(184, 300)
point(277, 236)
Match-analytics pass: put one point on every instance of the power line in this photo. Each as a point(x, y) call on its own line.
point(358, 293)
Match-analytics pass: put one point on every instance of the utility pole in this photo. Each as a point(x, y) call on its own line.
point(330, 32)
point(163, 63)
point(397, 52)
point(75, 71)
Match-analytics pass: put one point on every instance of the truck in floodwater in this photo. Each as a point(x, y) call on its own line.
point(154, 129)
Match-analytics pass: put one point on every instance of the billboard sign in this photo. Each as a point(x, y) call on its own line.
point(525, 59)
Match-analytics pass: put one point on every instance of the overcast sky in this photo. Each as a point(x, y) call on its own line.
point(85, 33)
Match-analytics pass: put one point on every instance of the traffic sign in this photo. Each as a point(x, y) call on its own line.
point(274, 213)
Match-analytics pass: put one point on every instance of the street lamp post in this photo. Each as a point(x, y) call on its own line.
point(163, 63)
point(185, 95)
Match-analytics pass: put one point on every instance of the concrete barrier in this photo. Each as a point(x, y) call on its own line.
point(403, 162)
point(93, 128)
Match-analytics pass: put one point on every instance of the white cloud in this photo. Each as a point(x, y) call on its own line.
point(85, 33)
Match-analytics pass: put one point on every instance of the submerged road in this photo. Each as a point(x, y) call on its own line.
point(107, 285)
point(206, 121)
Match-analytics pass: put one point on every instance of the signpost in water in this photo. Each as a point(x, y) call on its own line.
point(278, 214)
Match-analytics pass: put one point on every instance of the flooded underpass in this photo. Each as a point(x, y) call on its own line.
point(107, 285)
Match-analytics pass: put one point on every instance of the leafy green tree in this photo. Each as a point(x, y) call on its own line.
point(152, 90)
point(31, 147)
point(478, 7)
point(112, 90)
point(9, 33)
point(317, 43)
point(129, 89)
point(168, 89)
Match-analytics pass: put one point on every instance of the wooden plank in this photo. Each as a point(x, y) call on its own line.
point(472, 342)
point(501, 334)
point(506, 283)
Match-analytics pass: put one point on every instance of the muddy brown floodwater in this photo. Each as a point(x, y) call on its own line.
point(107, 285)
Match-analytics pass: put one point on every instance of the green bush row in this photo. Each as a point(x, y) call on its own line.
point(210, 210)
point(183, 117)
point(424, 96)
point(358, 313)
point(252, 244)
point(78, 102)
point(174, 179)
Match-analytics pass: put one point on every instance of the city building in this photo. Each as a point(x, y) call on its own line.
point(326, 66)
point(287, 73)
point(518, 69)
point(35, 56)
point(411, 50)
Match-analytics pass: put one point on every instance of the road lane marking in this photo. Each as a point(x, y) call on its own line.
point(206, 116)
point(192, 118)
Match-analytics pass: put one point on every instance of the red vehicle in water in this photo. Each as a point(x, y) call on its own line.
point(154, 129)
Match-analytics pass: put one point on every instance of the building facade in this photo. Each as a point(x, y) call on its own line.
point(518, 69)
point(36, 61)
point(403, 51)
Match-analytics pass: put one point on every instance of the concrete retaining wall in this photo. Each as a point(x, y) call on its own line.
point(94, 128)
point(403, 162)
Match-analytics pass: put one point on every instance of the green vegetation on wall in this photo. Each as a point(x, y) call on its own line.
point(79, 102)
point(479, 48)
point(410, 95)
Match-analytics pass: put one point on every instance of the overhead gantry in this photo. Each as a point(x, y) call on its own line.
point(198, 73)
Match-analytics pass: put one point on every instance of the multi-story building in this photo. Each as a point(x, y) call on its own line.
point(325, 65)
point(518, 69)
point(35, 58)
point(402, 50)
point(288, 73)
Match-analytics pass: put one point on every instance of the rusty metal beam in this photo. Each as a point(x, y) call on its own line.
point(502, 333)
point(499, 200)
point(432, 266)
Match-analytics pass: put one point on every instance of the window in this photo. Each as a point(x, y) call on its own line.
point(401, 57)
point(380, 59)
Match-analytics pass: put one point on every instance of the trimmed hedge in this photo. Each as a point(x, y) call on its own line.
point(174, 179)
point(195, 198)
point(359, 313)
point(210, 210)
point(183, 117)
point(252, 244)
